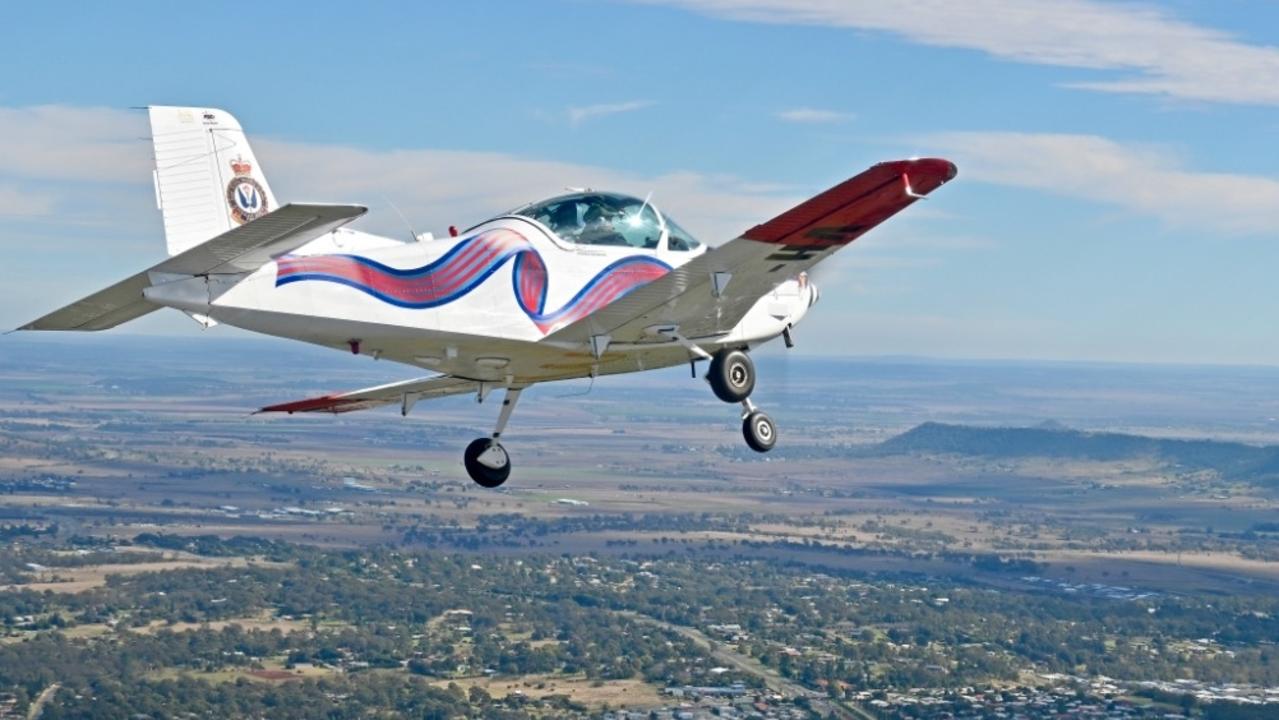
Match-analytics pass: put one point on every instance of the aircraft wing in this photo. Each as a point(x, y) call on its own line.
point(406, 393)
point(749, 267)
point(243, 249)
point(254, 244)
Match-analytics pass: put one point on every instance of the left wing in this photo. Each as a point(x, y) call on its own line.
point(750, 267)
point(406, 393)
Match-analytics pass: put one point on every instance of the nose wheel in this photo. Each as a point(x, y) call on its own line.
point(485, 459)
point(486, 462)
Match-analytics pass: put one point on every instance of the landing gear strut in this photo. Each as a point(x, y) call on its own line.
point(485, 459)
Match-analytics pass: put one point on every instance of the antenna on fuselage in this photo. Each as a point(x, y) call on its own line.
point(636, 219)
point(647, 198)
point(414, 237)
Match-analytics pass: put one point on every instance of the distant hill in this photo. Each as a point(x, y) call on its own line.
point(1052, 425)
point(1231, 459)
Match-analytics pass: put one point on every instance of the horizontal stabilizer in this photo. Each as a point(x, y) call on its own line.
point(104, 309)
point(406, 393)
point(255, 244)
point(244, 249)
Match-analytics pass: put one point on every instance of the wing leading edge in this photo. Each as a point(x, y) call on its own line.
point(762, 258)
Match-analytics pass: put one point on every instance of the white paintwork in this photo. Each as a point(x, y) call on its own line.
point(332, 314)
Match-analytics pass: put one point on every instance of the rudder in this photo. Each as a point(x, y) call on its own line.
point(207, 180)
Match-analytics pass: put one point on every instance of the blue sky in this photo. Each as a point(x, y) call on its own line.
point(1118, 196)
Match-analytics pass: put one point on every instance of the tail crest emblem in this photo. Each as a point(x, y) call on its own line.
point(244, 195)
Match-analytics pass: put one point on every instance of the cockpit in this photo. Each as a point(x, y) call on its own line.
point(595, 218)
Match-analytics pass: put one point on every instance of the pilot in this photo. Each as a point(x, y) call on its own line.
point(564, 221)
point(598, 226)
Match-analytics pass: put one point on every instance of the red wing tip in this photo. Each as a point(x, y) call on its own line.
point(845, 212)
point(941, 168)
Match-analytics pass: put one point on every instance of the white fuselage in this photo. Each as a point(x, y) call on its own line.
point(476, 306)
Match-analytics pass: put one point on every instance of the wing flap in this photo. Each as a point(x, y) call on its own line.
point(405, 392)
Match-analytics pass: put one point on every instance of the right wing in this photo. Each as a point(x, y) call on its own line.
point(406, 393)
point(750, 267)
point(244, 249)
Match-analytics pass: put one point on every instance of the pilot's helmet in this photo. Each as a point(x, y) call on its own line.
point(597, 214)
point(565, 215)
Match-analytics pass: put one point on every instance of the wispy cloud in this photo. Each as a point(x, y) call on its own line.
point(1139, 178)
point(814, 116)
point(59, 142)
point(1155, 52)
point(447, 187)
point(578, 115)
point(16, 202)
point(86, 170)
point(51, 152)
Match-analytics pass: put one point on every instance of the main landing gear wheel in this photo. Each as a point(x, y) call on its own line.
point(760, 432)
point(487, 462)
point(732, 375)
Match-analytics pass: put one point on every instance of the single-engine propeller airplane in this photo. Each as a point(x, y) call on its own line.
point(580, 285)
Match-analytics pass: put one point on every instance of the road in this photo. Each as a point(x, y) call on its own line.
point(37, 707)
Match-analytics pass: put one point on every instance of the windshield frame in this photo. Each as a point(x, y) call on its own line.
point(598, 219)
point(521, 213)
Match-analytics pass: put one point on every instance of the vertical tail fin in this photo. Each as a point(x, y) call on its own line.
point(207, 180)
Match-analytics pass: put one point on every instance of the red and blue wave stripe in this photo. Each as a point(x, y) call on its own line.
point(465, 267)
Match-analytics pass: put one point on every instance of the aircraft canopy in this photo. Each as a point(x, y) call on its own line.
point(597, 218)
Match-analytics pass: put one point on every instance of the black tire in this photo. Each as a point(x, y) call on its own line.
point(732, 375)
point(482, 474)
point(760, 431)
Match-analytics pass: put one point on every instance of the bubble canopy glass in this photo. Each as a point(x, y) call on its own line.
point(595, 218)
